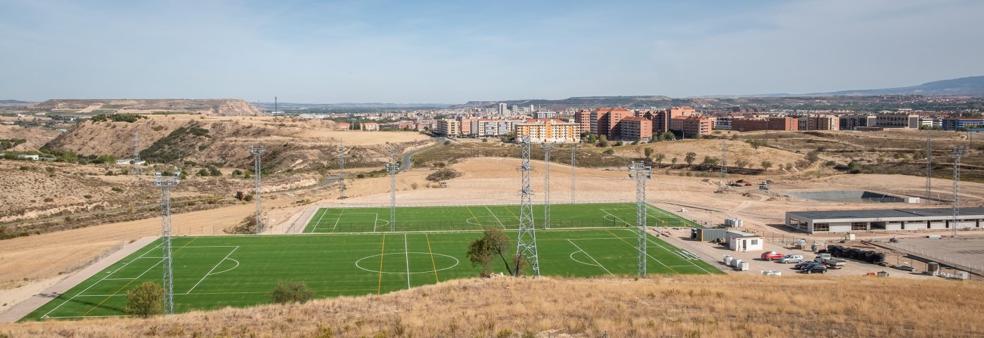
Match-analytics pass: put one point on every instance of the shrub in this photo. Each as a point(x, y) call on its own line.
point(291, 292)
point(145, 300)
point(609, 152)
point(443, 174)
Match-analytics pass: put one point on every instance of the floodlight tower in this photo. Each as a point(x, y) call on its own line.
point(641, 173)
point(526, 239)
point(573, 173)
point(547, 146)
point(341, 171)
point(724, 160)
point(392, 168)
point(166, 183)
point(929, 167)
point(257, 151)
point(957, 154)
point(136, 153)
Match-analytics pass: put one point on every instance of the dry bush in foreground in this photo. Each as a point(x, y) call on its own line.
point(697, 306)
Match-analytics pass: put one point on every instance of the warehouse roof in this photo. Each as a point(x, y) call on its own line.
point(884, 213)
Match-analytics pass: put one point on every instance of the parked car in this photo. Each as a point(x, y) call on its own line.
point(815, 268)
point(906, 268)
point(791, 259)
point(802, 265)
point(771, 256)
point(830, 261)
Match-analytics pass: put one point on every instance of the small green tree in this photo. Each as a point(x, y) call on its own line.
point(214, 171)
point(482, 251)
point(648, 152)
point(690, 158)
point(291, 292)
point(673, 161)
point(145, 300)
point(602, 141)
point(741, 163)
point(658, 158)
point(766, 165)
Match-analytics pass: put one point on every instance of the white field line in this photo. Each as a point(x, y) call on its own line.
point(496, 217)
point(99, 281)
point(684, 258)
point(213, 269)
point(589, 256)
point(637, 249)
point(406, 255)
point(337, 220)
point(317, 223)
point(374, 220)
point(616, 217)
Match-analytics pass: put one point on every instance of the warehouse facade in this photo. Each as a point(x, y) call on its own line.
point(884, 220)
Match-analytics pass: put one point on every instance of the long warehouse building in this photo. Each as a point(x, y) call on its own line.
point(884, 219)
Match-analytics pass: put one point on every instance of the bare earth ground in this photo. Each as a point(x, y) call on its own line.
point(38, 259)
point(692, 306)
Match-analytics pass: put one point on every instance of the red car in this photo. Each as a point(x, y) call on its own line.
point(771, 256)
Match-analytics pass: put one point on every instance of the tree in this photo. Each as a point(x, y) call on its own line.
point(709, 161)
point(648, 152)
point(291, 292)
point(145, 300)
point(659, 157)
point(602, 141)
point(813, 156)
point(673, 161)
point(691, 156)
point(741, 163)
point(212, 170)
point(482, 251)
point(667, 136)
point(766, 165)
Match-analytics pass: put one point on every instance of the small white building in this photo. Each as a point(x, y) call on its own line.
point(743, 241)
point(29, 157)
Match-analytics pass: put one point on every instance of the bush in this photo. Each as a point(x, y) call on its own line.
point(443, 174)
point(609, 152)
point(291, 292)
point(145, 300)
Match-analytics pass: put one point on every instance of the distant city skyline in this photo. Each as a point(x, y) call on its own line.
point(438, 52)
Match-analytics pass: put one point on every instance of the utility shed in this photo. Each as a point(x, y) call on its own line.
point(884, 219)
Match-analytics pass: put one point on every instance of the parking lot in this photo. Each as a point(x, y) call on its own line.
point(716, 252)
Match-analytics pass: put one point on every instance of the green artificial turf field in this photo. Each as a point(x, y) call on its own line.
point(482, 216)
point(214, 272)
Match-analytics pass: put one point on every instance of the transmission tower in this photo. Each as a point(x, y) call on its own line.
point(957, 154)
point(724, 161)
point(136, 153)
point(526, 238)
point(546, 184)
point(641, 173)
point(929, 167)
point(257, 151)
point(573, 173)
point(341, 171)
point(166, 183)
point(392, 168)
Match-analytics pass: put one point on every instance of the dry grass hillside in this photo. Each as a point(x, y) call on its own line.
point(34, 138)
point(292, 144)
point(222, 107)
point(705, 306)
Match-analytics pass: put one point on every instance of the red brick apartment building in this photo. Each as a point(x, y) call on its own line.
point(769, 123)
point(636, 128)
point(692, 126)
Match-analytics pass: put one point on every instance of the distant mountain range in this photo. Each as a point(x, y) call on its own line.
point(965, 86)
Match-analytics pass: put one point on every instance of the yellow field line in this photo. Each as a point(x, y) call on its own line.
point(131, 281)
point(382, 254)
point(433, 263)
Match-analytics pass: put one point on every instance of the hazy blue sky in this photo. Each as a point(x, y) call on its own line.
point(453, 51)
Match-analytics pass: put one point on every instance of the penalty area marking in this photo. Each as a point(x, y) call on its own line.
point(589, 256)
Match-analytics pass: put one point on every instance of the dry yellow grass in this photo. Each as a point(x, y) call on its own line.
point(704, 306)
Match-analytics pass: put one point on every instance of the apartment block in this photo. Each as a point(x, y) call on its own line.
point(448, 128)
point(636, 129)
point(692, 126)
point(768, 123)
point(548, 131)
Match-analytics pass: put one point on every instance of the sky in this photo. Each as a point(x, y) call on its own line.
point(457, 51)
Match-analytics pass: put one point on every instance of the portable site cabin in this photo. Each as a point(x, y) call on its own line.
point(743, 241)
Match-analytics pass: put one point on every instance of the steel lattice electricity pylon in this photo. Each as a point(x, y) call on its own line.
point(546, 184)
point(724, 161)
point(957, 154)
point(641, 173)
point(573, 173)
point(392, 168)
point(526, 238)
point(136, 153)
point(929, 168)
point(341, 171)
point(166, 183)
point(257, 151)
